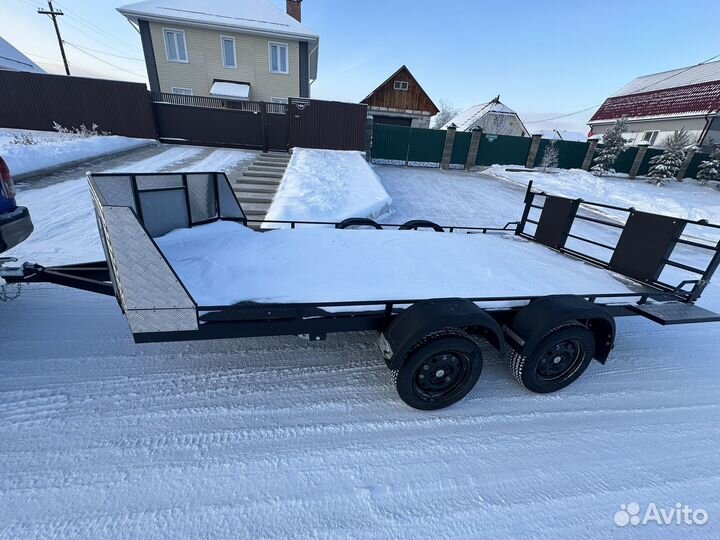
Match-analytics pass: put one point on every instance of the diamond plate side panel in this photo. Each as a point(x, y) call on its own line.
point(113, 190)
point(201, 192)
point(161, 320)
point(143, 276)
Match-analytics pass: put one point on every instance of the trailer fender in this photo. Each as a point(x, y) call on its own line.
point(424, 318)
point(533, 322)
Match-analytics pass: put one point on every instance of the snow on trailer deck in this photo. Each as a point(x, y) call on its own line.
point(224, 263)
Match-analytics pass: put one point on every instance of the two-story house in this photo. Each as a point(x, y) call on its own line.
point(238, 49)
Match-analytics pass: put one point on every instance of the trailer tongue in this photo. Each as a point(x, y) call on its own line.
point(156, 229)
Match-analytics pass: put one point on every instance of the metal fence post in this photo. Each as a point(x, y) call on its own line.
point(686, 163)
point(590, 154)
point(474, 148)
point(264, 126)
point(368, 138)
point(449, 142)
point(639, 157)
point(532, 153)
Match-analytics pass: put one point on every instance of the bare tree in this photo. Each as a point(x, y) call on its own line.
point(448, 111)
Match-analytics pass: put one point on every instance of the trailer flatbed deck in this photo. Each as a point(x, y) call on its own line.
point(226, 263)
point(183, 264)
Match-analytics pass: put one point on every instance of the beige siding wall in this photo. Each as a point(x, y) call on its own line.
point(665, 127)
point(205, 64)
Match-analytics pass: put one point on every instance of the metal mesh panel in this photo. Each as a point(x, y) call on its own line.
point(113, 190)
point(158, 181)
point(203, 200)
point(229, 206)
point(164, 211)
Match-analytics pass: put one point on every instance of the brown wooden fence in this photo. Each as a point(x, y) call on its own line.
point(35, 101)
point(251, 124)
point(326, 124)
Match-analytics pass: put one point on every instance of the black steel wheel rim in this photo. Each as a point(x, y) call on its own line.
point(561, 360)
point(441, 375)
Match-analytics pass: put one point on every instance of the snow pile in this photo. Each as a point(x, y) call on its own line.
point(328, 185)
point(686, 199)
point(224, 263)
point(51, 150)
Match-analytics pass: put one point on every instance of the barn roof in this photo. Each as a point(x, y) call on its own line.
point(687, 91)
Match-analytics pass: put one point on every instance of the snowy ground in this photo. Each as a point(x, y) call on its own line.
point(50, 150)
point(687, 199)
point(328, 185)
point(276, 437)
point(62, 212)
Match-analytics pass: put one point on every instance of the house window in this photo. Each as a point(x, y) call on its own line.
point(279, 100)
point(175, 48)
point(650, 136)
point(181, 91)
point(401, 85)
point(228, 52)
point(278, 53)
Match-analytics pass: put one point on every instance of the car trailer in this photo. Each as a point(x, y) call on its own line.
point(431, 346)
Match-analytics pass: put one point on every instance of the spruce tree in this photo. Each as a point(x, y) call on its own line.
point(667, 164)
point(612, 146)
point(551, 156)
point(710, 168)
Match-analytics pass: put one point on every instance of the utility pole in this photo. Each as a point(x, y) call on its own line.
point(54, 15)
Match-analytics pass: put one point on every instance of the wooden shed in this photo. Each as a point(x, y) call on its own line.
point(400, 100)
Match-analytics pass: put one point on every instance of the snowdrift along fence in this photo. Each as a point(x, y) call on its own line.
point(400, 145)
point(36, 101)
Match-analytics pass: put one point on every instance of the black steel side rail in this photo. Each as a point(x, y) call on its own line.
point(667, 260)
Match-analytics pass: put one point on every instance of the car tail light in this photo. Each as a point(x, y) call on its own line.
point(6, 184)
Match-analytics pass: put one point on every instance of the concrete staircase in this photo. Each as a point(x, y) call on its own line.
point(257, 186)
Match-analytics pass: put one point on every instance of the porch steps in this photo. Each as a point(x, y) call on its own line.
point(258, 184)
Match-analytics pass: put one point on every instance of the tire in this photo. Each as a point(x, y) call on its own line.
point(439, 371)
point(358, 223)
point(416, 224)
point(557, 361)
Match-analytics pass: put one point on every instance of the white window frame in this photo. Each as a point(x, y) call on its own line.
point(178, 60)
point(182, 91)
point(222, 52)
point(652, 138)
point(283, 100)
point(401, 85)
point(287, 58)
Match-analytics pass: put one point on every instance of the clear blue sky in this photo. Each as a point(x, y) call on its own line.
point(544, 57)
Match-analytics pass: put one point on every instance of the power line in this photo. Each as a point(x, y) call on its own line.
point(95, 38)
point(106, 62)
point(103, 52)
point(96, 28)
point(635, 92)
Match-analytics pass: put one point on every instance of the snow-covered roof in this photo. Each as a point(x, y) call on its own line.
point(230, 90)
point(689, 91)
point(12, 59)
point(241, 15)
point(702, 73)
point(467, 119)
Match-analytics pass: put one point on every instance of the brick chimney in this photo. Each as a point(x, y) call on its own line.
point(294, 9)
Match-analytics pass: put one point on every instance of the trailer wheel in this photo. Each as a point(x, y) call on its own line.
point(416, 224)
point(558, 360)
point(358, 223)
point(439, 371)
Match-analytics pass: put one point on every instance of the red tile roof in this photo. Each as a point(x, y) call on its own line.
point(701, 98)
